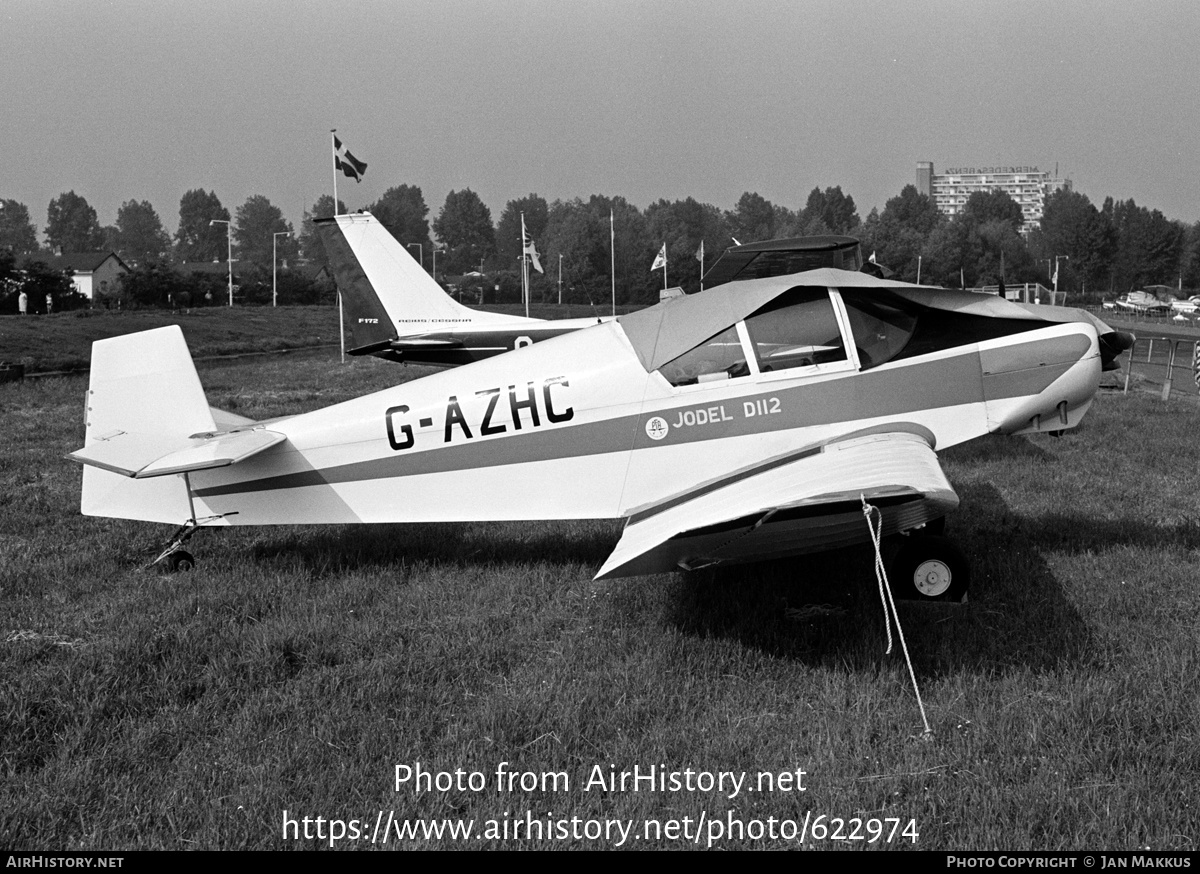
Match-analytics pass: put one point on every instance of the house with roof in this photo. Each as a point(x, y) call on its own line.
point(92, 273)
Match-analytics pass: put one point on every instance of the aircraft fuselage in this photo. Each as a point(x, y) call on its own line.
point(576, 427)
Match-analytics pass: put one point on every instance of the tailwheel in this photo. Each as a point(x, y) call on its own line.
point(179, 560)
point(930, 568)
point(174, 557)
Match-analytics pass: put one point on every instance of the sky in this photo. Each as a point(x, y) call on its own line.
point(122, 100)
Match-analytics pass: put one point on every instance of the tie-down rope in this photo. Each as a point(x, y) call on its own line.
point(870, 511)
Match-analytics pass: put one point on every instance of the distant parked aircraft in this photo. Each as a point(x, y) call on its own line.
point(395, 310)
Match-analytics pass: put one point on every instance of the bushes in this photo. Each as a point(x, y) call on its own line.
point(159, 284)
point(37, 280)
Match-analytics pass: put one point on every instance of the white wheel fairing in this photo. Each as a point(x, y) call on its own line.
point(932, 578)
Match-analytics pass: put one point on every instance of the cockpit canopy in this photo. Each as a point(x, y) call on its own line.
point(798, 329)
point(820, 321)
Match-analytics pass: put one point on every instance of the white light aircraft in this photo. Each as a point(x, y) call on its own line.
point(395, 310)
point(746, 422)
point(1142, 302)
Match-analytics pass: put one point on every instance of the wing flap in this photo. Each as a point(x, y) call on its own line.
point(148, 455)
point(806, 504)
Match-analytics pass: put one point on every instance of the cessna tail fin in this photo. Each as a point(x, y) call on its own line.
point(385, 292)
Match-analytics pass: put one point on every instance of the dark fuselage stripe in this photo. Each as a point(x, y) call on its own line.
point(879, 393)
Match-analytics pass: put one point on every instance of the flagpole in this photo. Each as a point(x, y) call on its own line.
point(612, 248)
point(333, 154)
point(341, 327)
point(524, 267)
point(341, 314)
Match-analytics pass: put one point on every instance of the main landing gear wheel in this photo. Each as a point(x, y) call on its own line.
point(929, 568)
point(935, 527)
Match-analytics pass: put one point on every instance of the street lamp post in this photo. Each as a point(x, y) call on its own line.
point(229, 251)
point(274, 259)
point(560, 280)
point(1058, 258)
point(420, 252)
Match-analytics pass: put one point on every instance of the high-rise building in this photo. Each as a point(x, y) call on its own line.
point(1028, 186)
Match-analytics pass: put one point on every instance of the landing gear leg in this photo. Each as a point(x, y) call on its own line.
point(174, 557)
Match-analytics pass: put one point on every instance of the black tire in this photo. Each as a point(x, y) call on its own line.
point(929, 568)
point(180, 560)
point(934, 527)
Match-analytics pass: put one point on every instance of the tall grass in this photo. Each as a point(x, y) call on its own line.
point(296, 667)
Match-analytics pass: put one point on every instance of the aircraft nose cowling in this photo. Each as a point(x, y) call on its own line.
point(1112, 344)
point(1042, 384)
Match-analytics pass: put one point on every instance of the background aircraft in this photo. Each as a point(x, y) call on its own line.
point(395, 310)
point(1142, 302)
point(782, 257)
point(744, 423)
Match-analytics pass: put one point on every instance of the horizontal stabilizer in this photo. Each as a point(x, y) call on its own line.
point(803, 502)
point(146, 455)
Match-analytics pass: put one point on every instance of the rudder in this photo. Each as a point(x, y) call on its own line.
point(142, 384)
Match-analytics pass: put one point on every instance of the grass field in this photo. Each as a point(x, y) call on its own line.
point(63, 341)
point(296, 668)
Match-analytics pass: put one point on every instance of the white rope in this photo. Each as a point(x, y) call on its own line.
point(890, 613)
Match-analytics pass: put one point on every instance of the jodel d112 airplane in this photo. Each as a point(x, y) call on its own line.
point(750, 421)
point(396, 311)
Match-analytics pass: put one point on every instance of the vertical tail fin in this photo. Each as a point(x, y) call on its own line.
point(385, 292)
point(371, 325)
point(143, 385)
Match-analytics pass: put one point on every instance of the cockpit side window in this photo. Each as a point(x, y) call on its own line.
point(881, 328)
point(717, 358)
point(797, 329)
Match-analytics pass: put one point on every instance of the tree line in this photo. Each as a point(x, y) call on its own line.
point(582, 243)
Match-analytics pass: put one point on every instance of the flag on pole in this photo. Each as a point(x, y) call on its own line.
point(700, 253)
point(872, 258)
point(347, 163)
point(660, 260)
point(612, 257)
point(529, 248)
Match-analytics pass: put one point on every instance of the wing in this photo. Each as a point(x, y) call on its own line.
point(807, 501)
